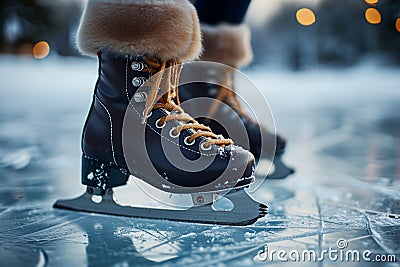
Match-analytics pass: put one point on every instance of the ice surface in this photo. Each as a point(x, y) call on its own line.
point(343, 129)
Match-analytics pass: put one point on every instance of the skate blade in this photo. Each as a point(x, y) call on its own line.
point(245, 210)
point(148, 196)
point(281, 169)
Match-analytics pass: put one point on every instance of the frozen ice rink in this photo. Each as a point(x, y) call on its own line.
point(343, 128)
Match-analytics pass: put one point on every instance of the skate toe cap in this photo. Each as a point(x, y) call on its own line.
point(250, 167)
point(244, 160)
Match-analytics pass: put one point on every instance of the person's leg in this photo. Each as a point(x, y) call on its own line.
point(216, 11)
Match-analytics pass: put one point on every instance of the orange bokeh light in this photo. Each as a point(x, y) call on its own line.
point(305, 16)
point(41, 49)
point(398, 24)
point(373, 16)
point(371, 2)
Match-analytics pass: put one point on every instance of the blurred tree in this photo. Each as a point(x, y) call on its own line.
point(24, 22)
point(276, 41)
point(388, 35)
point(341, 35)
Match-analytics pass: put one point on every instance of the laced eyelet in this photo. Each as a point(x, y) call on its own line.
point(186, 141)
point(160, 126)
point(148, 115)
point(212, 72)
point(212, 91)
point(171, 133)
point(203, 146)
point(140, 97)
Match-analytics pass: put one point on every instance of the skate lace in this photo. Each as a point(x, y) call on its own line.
point(228, 96)
point(166, 75)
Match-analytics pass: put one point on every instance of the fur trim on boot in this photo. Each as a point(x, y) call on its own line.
point(162, 29)
point(227, 44)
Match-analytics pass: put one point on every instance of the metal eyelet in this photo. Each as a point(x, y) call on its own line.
point(138, 81)
point(212, 72)
point(160, 126)
point(148, 115)
point(137, 66)
point(203, 147)
point(187, 142)
point(171, 133)
point(140, 97)
point(212, 91)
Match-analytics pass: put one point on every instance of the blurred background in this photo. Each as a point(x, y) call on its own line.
point(290, 34)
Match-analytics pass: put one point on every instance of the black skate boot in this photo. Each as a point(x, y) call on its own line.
point(141, 138)
point(136, 127)
point(230, 45)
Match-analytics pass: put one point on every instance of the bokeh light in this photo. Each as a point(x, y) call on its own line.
point(41, 49)
point(398, 24)
point(371, 2)
point(373, 16)
point(305, 17)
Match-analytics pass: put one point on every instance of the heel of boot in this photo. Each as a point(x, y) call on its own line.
point(100, 176)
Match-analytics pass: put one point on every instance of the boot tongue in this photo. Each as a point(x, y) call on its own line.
point(165, 79)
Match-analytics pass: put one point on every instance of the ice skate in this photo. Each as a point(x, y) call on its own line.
point(136, 127)
point(230, 45)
